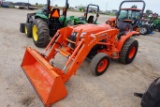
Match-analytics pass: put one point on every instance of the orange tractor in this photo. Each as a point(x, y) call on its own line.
point(129, 17)
point(98, 42)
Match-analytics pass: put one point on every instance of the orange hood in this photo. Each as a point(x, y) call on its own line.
point(92, 28)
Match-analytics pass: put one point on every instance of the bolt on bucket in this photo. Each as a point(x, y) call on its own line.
point(46, 82)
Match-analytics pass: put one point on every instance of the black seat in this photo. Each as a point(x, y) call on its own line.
point(90, 19)
point(54, 23)
point(122, 26)
point(55, 14)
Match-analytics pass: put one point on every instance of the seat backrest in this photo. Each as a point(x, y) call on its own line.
point(123, 25)
point(90, 19)
point(55, 13)
point(123, 28)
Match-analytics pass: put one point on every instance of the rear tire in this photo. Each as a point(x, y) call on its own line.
point(28, 29)
point(99, 63)
point(144, 30)
point(40, 33)
point(129, 51)
point(22, 26)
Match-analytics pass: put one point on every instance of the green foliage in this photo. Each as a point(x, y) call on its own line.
point(81, 9)
point(149, 11)
point(134, 6)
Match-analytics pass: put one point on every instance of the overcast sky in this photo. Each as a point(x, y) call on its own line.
point(104, 4)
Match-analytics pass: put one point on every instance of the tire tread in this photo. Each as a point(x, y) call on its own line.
point(43, 33)
point(125, 48)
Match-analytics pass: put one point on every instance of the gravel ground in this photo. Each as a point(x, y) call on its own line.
point(114, 88)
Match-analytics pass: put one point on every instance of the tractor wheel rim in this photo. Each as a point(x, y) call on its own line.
point(102, 65)
point(132, 52)
point(35, 35)
point(143, 30)
point(25, 29)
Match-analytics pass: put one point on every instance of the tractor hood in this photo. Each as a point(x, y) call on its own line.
point(92, 28)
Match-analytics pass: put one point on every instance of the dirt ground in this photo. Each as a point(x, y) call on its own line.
point(114, 88)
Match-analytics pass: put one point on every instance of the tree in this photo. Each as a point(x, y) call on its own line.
point(36, 4)
point(148, 12)
point(134, 6)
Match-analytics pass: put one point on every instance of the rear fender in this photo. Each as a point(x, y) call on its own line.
point(81, 22)
point(41, 16)
point(124, 38)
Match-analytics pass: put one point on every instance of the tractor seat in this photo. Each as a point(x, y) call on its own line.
point(90, 19)
point(123, 27)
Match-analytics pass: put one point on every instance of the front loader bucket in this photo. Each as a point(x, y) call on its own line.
point(47, 83)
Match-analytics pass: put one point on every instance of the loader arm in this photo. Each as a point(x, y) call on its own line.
point(57, 41)
point(82, 49)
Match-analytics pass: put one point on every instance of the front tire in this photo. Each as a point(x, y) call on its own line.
point(129, 51)
point(40, 33)
point(28, 29)
point(99, 63)
point(22, 27)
